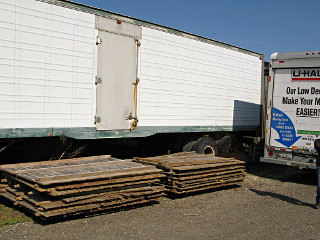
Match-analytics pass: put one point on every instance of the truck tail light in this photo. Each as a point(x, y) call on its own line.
point(270, 153)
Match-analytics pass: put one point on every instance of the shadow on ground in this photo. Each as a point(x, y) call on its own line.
point(282, 173)
point(282, 198)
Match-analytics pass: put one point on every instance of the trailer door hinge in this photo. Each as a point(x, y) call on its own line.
point(98, 40)
point(136, 81)
point(98, 80)
point(138, 42)
point(97, 119)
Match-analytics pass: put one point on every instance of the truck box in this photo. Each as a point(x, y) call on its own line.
point(293, 109)
point(87, 73)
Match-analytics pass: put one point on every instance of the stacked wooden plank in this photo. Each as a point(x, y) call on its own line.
point(80, 185)
point(190, 172)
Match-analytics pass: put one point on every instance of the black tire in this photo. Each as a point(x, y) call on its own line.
point(188, 147)
point(229, 144)
point(205, 145)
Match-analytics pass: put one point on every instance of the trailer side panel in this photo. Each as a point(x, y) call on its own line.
point(46, 66)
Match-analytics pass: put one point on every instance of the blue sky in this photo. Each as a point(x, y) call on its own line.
point(257, 25)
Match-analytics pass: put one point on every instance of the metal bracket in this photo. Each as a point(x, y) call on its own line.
point(134, 121)
point(138, 42)
point(98, 40)
point(130, 117)
point(136, 81)
point(97, 119)
point(98, 80)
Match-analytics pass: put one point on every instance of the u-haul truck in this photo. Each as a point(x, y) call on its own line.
point(293, 109)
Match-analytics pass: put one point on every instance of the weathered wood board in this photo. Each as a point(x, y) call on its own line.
point(190, 172)
point(81, 185)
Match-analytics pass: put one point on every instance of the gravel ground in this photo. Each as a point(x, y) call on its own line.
point(273, 203)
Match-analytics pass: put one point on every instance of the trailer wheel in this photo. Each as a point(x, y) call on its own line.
point(229, 144)
point(205, 145)
point(188, 147)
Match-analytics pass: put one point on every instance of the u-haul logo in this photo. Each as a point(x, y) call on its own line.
point(305, 74)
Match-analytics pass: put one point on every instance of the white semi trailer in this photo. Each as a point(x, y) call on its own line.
point(293, 109)
point(86, 73)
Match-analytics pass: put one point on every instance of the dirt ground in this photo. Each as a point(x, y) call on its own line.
point(273, 203)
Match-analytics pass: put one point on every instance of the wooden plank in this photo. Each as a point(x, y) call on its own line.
point(52, 162)
point(208, 175)
point(14, 179)
point(67, 167)
point(209, 184)
point(91, 176)
point(204, 166)
point(44, 202)
point(201, 171)
point(208, 180)
point(134, 190)
point(186, 161)
point(171, 155)
point(102, 188)
point(99, 207)
point(203, 182)
point(196, 163)
point(168, 158)
point(80, 209)
point(86, 170)
point(24, 204)
point(109, 181)
point(34, 200)
point(182, 158)
point(96, 176)
point(105, 198)
point(182, 191)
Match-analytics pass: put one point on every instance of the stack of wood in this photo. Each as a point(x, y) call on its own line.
point(80, 185)
point(190, 172)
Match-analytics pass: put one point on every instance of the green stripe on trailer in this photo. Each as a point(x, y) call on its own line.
point(91, 133)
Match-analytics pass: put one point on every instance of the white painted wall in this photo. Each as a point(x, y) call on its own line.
point(185, 82)
point(46, 66)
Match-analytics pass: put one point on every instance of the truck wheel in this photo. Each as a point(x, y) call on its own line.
point(188, 147)
point(205, 145)
point(229, 144)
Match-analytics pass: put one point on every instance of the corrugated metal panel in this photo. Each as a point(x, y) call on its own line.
point(128, 19)
point(185, 82)
point(46, 66)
